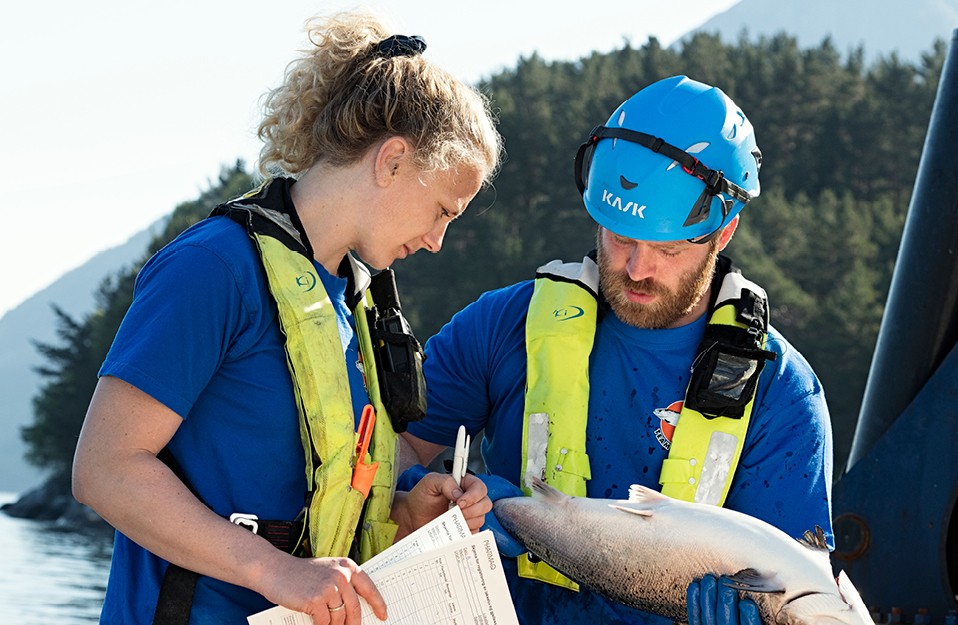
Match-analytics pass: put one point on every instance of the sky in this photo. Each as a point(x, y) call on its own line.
point(115, 111)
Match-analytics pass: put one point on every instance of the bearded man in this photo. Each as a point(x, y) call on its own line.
point(652, 361)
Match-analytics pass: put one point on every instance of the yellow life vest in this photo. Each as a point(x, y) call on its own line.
point(710, 435)
point(560, 328)
point(320, 383)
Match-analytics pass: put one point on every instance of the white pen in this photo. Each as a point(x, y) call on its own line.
point(460, 458)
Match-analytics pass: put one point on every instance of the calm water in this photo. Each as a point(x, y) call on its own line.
point(49, 575)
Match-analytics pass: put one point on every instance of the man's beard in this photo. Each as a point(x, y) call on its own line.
point(669, 307)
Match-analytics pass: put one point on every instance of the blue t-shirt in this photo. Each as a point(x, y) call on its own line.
point(202, 337)
point(476, 374)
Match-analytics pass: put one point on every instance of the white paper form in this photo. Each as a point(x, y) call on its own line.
point(459, 584)
point(440, 574)
point(443, 530)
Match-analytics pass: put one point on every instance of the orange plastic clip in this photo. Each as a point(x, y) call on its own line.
point(363, 473)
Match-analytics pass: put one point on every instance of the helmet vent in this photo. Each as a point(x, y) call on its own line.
point(695, 148)
point(757, 155)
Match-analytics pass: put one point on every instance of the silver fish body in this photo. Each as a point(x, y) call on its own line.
point(644, 552)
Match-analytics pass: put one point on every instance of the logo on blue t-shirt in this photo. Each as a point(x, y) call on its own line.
point(668, 419)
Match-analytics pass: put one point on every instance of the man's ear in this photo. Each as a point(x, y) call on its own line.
point(727, 233)
point(393, 154)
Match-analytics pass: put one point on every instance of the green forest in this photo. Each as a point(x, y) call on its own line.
point(841, 143)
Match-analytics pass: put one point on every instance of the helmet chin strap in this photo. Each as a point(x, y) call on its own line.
point(700, 212)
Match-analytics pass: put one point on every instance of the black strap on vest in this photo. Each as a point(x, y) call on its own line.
point(730, 359)
point(176, 596)
point(176, 592)
point(274, 196)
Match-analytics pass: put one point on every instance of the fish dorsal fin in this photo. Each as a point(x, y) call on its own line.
point(644, 494)
point(639, 494)
point(541, 489)
point(752, 580)
point(814, 541)
point(627, 508)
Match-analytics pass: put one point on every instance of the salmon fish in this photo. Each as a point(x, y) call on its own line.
point(645, 551)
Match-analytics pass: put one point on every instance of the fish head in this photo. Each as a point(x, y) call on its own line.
point(561, 528)
point(843, 607)
point(520, 515)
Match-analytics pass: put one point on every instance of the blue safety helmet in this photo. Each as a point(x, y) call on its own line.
point(677, 160)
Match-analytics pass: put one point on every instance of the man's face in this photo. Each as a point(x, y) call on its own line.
point(655, 284)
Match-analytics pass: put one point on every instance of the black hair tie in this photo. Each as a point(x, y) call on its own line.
point(400, 45)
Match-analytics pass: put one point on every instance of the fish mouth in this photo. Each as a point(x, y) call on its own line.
point(817, 608)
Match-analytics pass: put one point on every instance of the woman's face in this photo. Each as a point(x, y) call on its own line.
point(417, 208)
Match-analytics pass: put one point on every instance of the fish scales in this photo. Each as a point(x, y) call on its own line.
point(644, 552)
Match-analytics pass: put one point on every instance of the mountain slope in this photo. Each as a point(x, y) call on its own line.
point(881, 26)
point(33, 321)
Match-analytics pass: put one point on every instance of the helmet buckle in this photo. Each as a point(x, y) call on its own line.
point(713, 179)
point(691, 169)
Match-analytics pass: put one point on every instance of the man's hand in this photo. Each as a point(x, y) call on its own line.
point(429, 495)
point(712, 602)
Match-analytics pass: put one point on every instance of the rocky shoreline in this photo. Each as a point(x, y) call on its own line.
point(52, 501)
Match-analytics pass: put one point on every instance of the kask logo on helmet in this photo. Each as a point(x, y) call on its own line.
point(615, 201)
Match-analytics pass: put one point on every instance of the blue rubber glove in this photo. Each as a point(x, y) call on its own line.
point(410, 477)
point(712, 602)
point(501, 488)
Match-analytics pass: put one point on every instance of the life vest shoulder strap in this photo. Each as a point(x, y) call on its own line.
point(584, 275)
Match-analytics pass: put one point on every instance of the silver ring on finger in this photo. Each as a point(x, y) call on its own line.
point(338, 608)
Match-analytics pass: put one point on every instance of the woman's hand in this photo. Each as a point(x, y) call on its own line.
point(327, 589)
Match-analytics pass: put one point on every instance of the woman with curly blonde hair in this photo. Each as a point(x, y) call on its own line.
point(248, 344)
